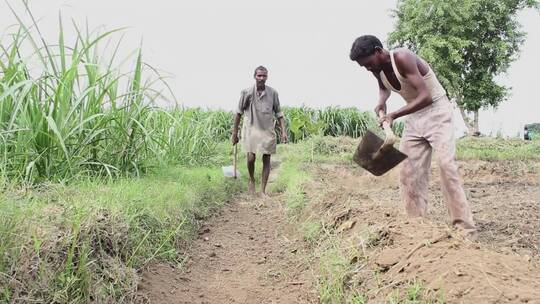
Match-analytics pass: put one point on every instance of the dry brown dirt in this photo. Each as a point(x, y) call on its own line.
point(393, 251)
point(250, 254)
point(243, 255)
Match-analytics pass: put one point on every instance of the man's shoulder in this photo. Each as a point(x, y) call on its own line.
point(271, 90)
point(401, 54)
point(246, 90)
point(406, 60)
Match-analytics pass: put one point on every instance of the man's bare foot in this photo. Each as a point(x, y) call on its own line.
point(265, 195)
point(466, 231)
point(251, 187)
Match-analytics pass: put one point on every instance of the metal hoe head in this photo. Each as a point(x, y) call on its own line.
point(375, 157)
point(229, 171)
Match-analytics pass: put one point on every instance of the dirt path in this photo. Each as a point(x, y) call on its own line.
point(243, 255)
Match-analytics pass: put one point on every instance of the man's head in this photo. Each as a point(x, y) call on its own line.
point(367, 50)
point(260, 75)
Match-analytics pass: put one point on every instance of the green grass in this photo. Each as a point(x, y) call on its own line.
point(70, 111)
point(333, 270)
point(415, 292)
point(311, 230)
point(498, 149)
point(357, 299)
point(305, 122)
point(86, 241)
point(292, 176)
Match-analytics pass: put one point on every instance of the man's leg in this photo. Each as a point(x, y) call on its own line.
point(443, 142)
point(414, 175)
point(265, 172)
point(251, 169)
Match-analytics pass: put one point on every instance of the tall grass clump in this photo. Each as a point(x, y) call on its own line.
point(189, 136)
point(305, 122)
point(71, 110)
point(346, 122)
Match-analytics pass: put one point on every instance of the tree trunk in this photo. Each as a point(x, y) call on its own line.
point(473, 128)
point(476, 127)
point(468, 123)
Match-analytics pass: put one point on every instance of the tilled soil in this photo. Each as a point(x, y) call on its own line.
point(392, 251)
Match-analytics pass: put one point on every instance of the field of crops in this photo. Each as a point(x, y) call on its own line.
point(78, 113)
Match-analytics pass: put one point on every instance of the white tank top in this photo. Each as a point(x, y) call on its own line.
point(409, 93)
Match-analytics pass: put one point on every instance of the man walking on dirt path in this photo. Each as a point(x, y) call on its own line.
point(259, 103)
point(428, 126)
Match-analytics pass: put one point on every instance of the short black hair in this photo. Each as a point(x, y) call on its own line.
point(259, 68)
point(364, 46)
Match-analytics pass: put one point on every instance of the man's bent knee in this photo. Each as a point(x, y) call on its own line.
point(251, 157)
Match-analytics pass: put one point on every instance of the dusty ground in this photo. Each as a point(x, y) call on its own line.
point(248, 254)
point(243, 255)
point(392, 251)
point(504, 197)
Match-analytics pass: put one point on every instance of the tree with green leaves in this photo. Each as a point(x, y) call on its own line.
point(467, 43)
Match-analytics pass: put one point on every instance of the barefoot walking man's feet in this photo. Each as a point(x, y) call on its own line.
point(258, 103)
point(251, 187)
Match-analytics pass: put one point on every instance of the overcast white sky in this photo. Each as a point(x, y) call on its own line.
point(211, 48)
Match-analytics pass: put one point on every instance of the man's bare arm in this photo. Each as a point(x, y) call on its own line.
point(236, 123)
point(284, 137)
